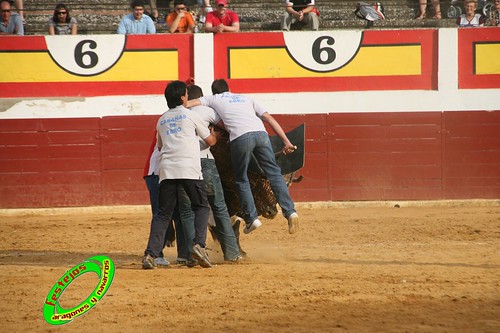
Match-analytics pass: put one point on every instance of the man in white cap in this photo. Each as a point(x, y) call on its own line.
point(221, 19)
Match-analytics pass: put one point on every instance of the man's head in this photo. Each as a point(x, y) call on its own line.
point(176, 94)
point(221, 7)
point(497, 4)
point(137, 8)
point(6, 10)
point(219, 86)
point(194, 92)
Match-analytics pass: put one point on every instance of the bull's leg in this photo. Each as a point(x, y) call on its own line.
point(236, 222)
point(170, 235)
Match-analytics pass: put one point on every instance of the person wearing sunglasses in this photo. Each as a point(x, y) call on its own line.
point(136, 22)
point(61, 23)
point(180, 20)
point(11, 23)
point(221, 19)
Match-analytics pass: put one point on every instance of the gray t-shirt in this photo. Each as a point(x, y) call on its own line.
point(208, 116)
point(240, 113)
point(62, 28)
point(178, 131)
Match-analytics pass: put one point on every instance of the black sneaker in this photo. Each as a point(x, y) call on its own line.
point(188, 263)
point(201, 255)
point(148, 262)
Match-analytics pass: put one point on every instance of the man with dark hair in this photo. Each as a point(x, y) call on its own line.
point(178, 133)
point(136, 22)
point(223, 228)
point(243, 119)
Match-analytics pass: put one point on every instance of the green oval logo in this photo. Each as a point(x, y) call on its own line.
point(101, 265)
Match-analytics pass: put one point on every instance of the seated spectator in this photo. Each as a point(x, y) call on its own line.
point(470, 19)
point(494, 17)
point(204, 8)
point(423, 8)
point(137, 22)
point(180, 20)
point(11, 24)
point(61, 23)
point(222, 19)
point(154, 10)
point(302, 11)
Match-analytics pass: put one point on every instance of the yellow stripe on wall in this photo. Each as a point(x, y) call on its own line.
point(132, 66)
point(487, 58)
point(370, 61)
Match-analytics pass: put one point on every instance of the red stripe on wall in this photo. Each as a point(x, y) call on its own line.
point(352, 156)
point(82, 89)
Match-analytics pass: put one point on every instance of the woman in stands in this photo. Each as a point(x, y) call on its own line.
point(471, 19)
point(61, 23)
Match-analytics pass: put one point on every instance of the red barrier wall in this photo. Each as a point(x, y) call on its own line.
point(372, 156)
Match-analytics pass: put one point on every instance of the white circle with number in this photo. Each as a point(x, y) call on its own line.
point(85, 55)
point(323, 51)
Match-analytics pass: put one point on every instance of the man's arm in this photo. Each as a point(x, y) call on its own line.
point(122, 30)
point(150, 26)
point(289, 147)
point(235, 27)
point(193, 102)
point(172, 26)
point(211, 139)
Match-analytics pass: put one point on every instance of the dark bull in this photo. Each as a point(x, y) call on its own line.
point(265, 202)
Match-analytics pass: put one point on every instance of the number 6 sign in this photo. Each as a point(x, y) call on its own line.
point(85, 55)
point(323, 51)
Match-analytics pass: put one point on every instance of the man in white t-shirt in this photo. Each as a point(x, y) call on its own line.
point(178, 131)
point(223, 228)
point(243, 119)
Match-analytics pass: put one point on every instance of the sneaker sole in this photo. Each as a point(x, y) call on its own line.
point(202, 260)
point(293, 225)
point(148, 265)
point(253, 226)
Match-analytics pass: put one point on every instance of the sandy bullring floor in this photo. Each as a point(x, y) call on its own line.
point(372, 268)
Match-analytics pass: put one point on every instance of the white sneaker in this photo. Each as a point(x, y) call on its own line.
point(161, 262)
point(252, 226)
point(293, 223)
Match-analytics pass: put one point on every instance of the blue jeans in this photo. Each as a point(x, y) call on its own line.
point(259, 144)
point(215, 194)
point(168, 195)
point(153, 185)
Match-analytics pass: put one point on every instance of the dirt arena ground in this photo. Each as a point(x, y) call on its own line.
point(351, 268)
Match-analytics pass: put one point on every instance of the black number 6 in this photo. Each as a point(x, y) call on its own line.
point(317, 50)
point(79, 54)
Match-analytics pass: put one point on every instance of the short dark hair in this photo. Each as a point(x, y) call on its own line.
point(59, 7)
point(219, 86)
point(194, 92)
point(180, 2)
point(173, 93)
point(137, 3)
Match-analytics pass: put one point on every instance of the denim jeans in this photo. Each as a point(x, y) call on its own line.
point(153, 185)
point(215, 194)
point(168, 193)
point(259, 144)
